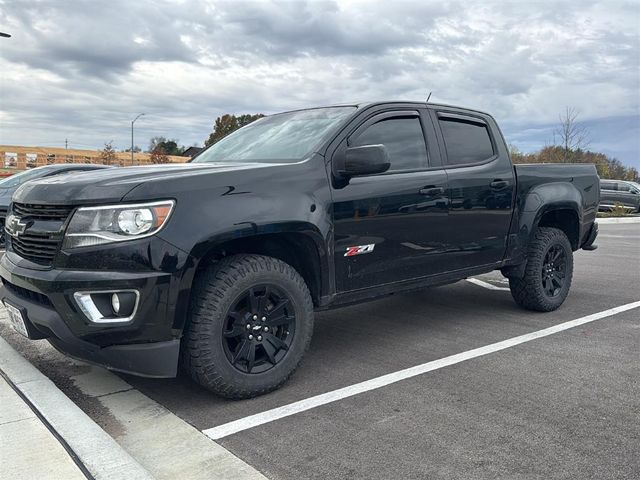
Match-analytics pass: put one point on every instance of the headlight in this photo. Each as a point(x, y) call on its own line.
point(116, 223)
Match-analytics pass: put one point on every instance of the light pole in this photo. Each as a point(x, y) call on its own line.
point(132, 122)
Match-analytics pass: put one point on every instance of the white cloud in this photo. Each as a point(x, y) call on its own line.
point(82, 70)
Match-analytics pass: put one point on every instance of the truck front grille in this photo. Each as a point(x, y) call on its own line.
point(3, 217)
point(37, 248)
point(34, 244)
point(41, 212)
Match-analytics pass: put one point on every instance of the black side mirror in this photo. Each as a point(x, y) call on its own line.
point(365, 160)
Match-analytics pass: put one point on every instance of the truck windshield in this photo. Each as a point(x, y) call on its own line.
point(285, 137)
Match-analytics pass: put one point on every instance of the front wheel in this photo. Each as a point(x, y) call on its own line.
point(548, 274)
point(250, 322)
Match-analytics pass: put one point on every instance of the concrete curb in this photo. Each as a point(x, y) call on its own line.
point(96, 450)
point(604, 221)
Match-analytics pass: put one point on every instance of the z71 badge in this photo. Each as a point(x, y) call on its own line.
point(359, 250)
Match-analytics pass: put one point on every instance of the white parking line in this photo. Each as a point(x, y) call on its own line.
point(486, 285)
point(251, 421)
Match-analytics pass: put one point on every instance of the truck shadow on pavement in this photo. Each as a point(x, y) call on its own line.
point(363, 341)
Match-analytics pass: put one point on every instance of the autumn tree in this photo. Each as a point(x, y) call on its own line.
point(606, 166)
point(632, 174)
point(154, 142)
point(617, 170)
point(518, 157)
point(158, 156)
point(169, 146)
point(108, 154)
point(228, 123)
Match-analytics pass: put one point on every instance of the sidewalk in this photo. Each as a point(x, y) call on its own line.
point(44, 435)
point(28, 450)
point(630, 219)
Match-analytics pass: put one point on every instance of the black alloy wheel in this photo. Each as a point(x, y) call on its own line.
point(250, 323)
point(259, 329)
point(548, 271)
point(554, 270)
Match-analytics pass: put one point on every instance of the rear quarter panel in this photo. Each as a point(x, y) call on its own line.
point(545, 187)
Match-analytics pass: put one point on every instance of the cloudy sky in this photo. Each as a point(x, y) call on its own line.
point(82, 70)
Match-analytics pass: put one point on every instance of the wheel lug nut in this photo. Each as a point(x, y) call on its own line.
point(266, 329)
point(255, 317)
point(259, 337)
point(264, 319)
point(250, 337)
point(248, 326)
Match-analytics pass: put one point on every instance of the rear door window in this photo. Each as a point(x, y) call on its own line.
point(466, 140)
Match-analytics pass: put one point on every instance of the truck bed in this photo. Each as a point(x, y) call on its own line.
point(562, 180)
point(584, 176)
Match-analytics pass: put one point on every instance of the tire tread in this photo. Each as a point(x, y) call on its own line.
point(210, 288)
point(527, 291)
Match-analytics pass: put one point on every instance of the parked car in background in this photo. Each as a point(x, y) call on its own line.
point(10, 184)
point(623, 192)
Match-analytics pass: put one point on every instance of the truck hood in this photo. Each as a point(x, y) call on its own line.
point(111, 185)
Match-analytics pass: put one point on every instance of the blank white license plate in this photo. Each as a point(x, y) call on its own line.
point(17, 320)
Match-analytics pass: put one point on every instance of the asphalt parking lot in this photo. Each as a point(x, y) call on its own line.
point(563, 406)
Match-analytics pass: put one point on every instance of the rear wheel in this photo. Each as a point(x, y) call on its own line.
point(250, 322)
point(548, 274)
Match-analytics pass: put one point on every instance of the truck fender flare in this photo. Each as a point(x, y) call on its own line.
point(538, 202)
point(248, 230)
point(546, 198)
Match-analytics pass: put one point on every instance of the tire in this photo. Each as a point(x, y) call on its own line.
point(263, 293)
point(538, 289)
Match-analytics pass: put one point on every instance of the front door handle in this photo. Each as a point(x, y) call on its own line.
point(431, 191)
point(499, 184)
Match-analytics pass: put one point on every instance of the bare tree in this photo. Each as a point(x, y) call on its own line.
point(572, 135)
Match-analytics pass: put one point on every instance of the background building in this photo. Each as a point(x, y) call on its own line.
point(21, 158)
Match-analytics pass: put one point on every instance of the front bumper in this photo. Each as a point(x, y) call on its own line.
point(156, 359)
point(148, 345)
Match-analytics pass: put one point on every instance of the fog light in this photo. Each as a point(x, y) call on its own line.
point(115, 303)
point(108, 306)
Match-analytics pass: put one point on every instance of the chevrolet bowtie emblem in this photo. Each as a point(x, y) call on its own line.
point(14, 226)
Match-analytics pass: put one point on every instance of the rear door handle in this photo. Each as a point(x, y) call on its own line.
point(499, 184)
point(431, 191)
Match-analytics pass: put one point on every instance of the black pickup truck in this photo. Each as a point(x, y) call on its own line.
point(219, 264)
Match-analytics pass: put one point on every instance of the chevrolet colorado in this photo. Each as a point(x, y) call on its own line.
point(219, 264)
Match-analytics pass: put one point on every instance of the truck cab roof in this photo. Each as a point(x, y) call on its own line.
point(369, 104)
